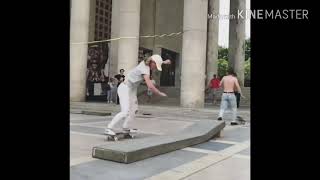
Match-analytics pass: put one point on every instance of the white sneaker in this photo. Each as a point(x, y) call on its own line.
point(109, 131)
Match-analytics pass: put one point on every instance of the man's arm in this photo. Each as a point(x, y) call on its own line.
point(151, 86)
point(168, 61)
point(238, 87)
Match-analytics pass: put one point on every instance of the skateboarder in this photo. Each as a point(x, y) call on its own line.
point(127, 91)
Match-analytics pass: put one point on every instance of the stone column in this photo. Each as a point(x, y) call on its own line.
point(212, 40)
point(237, 38)
point(194, 53)
point(114, 34)
point(79, 32)
point(129, 23)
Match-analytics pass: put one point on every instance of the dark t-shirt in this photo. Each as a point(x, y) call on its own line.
point(118, 77)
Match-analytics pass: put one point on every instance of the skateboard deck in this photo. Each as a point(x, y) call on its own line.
point(120, 135)
point(240, 121)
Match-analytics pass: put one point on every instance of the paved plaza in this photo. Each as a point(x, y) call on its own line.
point(223, 158)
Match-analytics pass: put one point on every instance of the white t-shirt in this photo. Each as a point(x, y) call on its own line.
point(135, 76)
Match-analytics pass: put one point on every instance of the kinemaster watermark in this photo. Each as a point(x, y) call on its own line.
point(264, 14)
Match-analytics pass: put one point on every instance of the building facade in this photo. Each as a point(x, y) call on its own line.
point(194, 52)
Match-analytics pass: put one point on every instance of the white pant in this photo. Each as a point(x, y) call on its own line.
point(129, 106)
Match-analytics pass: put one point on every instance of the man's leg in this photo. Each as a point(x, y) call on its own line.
point(238, 105)
point(108, 95)
point(233, 104)
point(111, 95)
point(213, 91)
point(124, 104)
point(223, 106)
point(118, 101)
point(133, 108)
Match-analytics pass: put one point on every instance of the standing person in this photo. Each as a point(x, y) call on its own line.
point(120, 77)
point(214, 86)
point(127, 91)
point(229, 83)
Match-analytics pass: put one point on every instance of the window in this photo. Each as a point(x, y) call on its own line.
point(101, 4)
point(100, 27)
point(101, 19)
point(101, 12)
point(100, 34)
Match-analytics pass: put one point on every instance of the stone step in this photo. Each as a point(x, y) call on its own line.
point(138, 149)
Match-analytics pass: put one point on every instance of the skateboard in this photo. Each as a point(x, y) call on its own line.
point(120, 135)
point(241, 120)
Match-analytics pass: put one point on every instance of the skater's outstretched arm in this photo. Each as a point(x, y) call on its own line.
point(151, 86)
point(168, 61)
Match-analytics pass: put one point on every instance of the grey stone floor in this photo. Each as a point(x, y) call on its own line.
point(224, 158)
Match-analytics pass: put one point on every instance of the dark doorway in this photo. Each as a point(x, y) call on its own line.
point(167, 77)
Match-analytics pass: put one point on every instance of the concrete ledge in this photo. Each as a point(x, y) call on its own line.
point(97, 113)
point(138, 149)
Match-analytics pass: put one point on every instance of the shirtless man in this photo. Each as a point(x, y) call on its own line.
point(229, 83)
